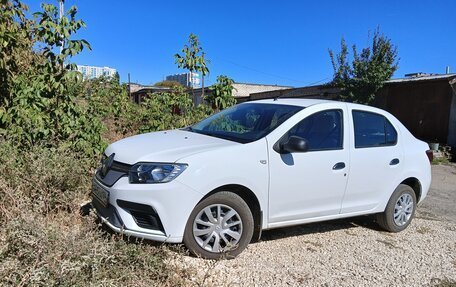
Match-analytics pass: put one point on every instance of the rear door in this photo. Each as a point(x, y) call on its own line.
point(376, 158)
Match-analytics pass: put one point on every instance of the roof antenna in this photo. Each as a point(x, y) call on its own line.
point(282, 95)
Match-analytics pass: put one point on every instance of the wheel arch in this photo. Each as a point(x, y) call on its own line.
point(415, 184)
point(252, 201)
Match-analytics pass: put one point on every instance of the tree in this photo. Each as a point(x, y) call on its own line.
point(41, 105)
point(361, 79)
point(54, 32)
point(192, 58)
point(168, 84)
point(116, 77)
point(221, 96)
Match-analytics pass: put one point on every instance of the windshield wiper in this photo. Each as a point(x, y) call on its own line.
point(225, 137)
point(189, 128)
point(215, 135)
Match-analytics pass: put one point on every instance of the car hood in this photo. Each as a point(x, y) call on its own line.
point(164, 146)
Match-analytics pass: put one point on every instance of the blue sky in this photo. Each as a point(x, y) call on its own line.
point(270, 42)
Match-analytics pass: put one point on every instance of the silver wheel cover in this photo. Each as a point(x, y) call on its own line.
point(217, 228)
point(403, 209)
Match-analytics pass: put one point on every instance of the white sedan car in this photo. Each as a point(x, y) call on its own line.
point(261, 165)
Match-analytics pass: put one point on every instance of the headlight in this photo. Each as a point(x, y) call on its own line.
point(155, 172)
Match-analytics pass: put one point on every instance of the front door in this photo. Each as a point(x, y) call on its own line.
point(310, 184)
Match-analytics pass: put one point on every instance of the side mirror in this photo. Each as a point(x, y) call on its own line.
point(293, 144)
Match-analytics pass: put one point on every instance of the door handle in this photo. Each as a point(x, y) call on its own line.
point(339, 165)
point(394, 161)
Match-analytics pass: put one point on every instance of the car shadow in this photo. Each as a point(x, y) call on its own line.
point(367, 221)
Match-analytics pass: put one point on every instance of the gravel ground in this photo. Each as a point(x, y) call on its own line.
point(351, 252)
point(441, 202)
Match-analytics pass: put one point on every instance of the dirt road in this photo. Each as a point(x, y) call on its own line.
point(441, 200)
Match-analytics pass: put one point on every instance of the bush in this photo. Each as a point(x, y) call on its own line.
point(163, 111)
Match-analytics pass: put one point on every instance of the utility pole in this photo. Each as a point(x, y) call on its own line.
point(202, 80)
point(129, 86)
point(61, 11)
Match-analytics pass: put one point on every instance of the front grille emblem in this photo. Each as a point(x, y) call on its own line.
point(106, 165)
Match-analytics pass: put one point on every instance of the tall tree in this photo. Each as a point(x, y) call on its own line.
point(39, 95)
point(192, 58)
point(361, 79)
point(221, 96)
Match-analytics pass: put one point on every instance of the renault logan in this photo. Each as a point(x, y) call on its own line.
point(260, 165)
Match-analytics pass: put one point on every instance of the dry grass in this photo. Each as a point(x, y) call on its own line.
point(443, 283)
point(45, 242)
point(424, 230)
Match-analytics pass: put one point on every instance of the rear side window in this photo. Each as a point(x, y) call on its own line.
point(373, 130)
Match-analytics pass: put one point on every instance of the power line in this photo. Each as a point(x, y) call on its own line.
point(271, 74)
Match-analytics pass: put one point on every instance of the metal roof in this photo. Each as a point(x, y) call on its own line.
point(422, 78)
point(243, 90)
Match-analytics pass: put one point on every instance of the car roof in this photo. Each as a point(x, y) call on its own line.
point(311, 102)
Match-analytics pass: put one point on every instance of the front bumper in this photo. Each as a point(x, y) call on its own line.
point(171, 202)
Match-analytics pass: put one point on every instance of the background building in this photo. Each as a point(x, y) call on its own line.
point(190, 80)
point(90, 72)
point(139, 92)
point(241, 91)
point(424, 103)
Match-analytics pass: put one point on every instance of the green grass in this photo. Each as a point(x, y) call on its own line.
point(440, 160)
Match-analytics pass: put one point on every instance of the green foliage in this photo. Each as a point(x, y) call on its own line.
point(40, 96)
point(16, 44)
point(168, 84)
point(361, 79)
point(55, 33)
point(162, 111)
point(109, 101)
point(44, 101)
point(221, 96)
point(192, 57)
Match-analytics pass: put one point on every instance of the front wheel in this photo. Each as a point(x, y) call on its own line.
point(399, 211)
point(220, 226)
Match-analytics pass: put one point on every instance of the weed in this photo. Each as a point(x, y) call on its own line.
point(388, 243)
point(443, 283)
point(423, 230)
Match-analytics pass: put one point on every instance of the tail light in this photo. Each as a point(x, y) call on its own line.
point(430, 155)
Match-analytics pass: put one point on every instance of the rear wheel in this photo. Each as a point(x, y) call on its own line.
point(220, 226)
point(399, 211)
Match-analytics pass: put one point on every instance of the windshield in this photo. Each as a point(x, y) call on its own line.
point(245, 123)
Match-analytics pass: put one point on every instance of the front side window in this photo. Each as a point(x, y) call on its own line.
point(373, 130)
point(322, 130)
point(245, 122)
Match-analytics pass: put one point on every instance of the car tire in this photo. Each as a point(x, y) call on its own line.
point(399, 211)
point(210, 234)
